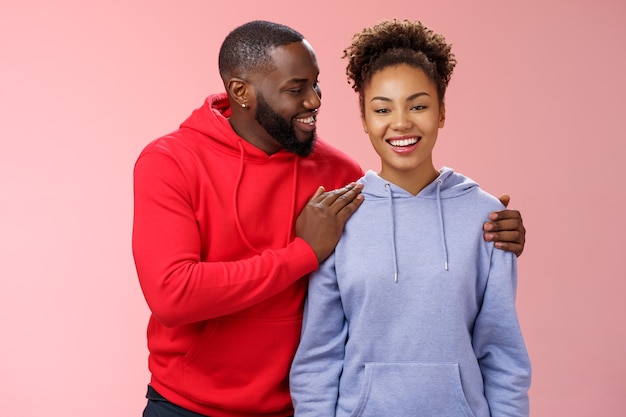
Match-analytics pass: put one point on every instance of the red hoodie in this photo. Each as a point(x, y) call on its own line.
point(218, 263)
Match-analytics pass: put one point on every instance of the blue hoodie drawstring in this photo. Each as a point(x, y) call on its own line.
point(443, 233)
point(393, 233)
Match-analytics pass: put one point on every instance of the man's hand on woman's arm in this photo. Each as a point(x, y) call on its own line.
point(506, 229)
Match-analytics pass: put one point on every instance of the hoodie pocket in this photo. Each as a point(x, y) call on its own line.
point(412, 389)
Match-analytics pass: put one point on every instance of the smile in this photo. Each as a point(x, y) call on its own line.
point(402, 142)
point(306, 120)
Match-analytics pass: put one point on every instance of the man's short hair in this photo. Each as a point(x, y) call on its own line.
point(247, 48)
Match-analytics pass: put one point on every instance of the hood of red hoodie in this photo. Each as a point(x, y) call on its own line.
point(210, 123)
point(212, 120)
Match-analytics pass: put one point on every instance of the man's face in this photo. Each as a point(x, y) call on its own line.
point(287, 100)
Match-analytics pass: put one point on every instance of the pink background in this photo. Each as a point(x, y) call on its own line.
point(535, 109)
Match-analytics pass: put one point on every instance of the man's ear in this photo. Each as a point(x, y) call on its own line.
point(240, 91)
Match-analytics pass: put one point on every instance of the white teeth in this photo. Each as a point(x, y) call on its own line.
point(308, 120)
point(403, 142)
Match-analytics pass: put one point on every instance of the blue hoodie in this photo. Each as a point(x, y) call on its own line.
point(414, 313)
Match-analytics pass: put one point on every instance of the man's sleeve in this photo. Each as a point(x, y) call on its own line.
point(179, 288)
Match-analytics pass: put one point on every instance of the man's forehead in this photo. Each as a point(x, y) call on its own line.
point(294, 58)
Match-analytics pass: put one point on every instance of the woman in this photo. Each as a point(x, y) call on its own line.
point(414, 313)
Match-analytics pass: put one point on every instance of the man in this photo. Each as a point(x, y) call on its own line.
point(225, 229)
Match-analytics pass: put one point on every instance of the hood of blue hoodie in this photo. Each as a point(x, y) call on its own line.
point(448, 184)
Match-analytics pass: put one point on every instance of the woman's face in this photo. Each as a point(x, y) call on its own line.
point(402, 116)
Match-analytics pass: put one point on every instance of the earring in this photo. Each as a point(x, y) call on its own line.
point(243, 105)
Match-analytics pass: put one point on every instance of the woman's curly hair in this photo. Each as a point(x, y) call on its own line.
point(395, 42)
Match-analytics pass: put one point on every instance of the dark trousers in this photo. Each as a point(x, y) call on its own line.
point(158, 406)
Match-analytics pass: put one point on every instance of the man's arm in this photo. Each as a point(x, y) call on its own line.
point(181, 287)
point(506, 229)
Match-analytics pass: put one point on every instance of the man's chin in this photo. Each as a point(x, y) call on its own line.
point(306, 148)
point(299, 145)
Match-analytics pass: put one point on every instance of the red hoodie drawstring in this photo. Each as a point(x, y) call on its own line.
point(237, 184)
point(293, 200)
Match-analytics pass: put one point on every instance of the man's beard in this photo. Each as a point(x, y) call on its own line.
point(283, 132)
